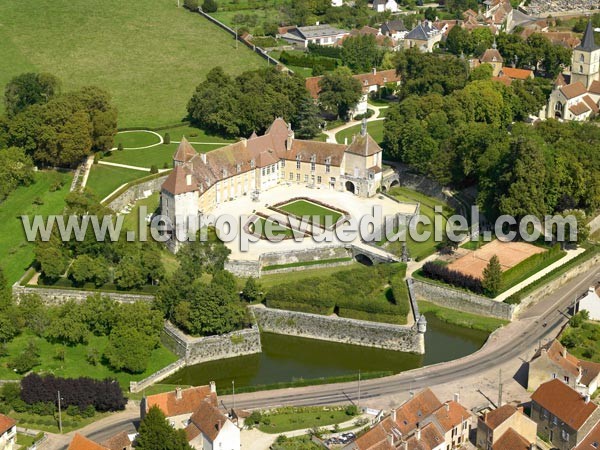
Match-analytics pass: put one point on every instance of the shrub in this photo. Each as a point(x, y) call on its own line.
point(72, 410)
point(120, 147)
point(24, 362)
point(254, 418)
point(210, 6)
point(308, 61)
point(330, 52)
point(440, 272)
point(153, 168)
point(167, 138)
point(352, 410)
point(192, 5)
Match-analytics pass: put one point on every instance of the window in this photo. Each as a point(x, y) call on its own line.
point(312, 166)
point(283, 175)
point(566, 379)
point(297, 177)
point(268, 170)
point(564, 435)
point(554, 420)
point(306, 178)
point(544, 413)
point(252, 164)
point(291, 176)
point(298, 162)
point(580, 69)
point(319, 179)
point(282, 163)
point(264, 171)
point(581, 58)
point(327, 168)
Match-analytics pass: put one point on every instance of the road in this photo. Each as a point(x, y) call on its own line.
point(506, 349)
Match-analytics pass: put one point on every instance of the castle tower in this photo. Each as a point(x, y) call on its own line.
point(585, 66)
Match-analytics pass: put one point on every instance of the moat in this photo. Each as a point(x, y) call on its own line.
point(288, 358)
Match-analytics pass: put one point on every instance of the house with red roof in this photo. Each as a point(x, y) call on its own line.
point(564, 417)
point(8, 433)
point(421, 423)
point(505, 428)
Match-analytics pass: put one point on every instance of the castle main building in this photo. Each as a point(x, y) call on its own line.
point(201, 181)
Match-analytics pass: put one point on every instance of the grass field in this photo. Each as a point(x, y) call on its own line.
point(460, 318)
point(105, 179)
point(583, 341)
point(276, 231)
point(16, 254)
point(419, 250)
point(75, 364)
point(288, 419)
point(267, 281)
point(150, 57)
point(375, 129)
point(301, 208)
point(135, 139)
point(147, 157)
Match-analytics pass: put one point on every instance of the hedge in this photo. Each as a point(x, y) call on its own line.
point(308, 61)
point(531, 265)
point(328, 51)
point(441, 272)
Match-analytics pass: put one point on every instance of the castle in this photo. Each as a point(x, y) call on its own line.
point(201, 181)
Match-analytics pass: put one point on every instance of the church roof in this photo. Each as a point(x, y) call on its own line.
point(491, 55)
point(573, 90)
point(588, 43)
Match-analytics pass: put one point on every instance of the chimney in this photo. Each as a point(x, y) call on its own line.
point(447, 405)
point(457, 397)
point(317, 23)
point(213, 387)
point(219, 424)
point(290, 138)
point(390, 439)
point(393, 415)
point(564, 352)
point(203, 157)
point(346, 140)
point(586, 398)
point(374, 70)
point(178, 394)
point(418, 433)
point(188, 179)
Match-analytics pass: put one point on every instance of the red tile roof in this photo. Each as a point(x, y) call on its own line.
point(6, 423)
point(517, 74)
point(118, 441)
point(190, 400)
point(80, 442)
point(579, 108)
point(593, 106)
point(565, 403)
point(491, 55)
point(498, 416)
point(429, 438)
point(511, 440)
point(363, 145)
point(416, 409)
point(185, 151)
point(377, 78)
point(178, 182)
point(573, 90)
point(207, 420)
point(593, 437)
point(505, 80)
point(595, 87)
point(451, 414)
point(376, 438)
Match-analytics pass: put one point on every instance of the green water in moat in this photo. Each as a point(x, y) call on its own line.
point(288, 358)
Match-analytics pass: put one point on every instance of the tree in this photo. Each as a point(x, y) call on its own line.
point(128, 274)
point(492, 277)
point(482, 72)
point(192, 5)
point(209, 6)
point(51, 258)
point(155, 433)
point(252, 291)
point(307, 122)
point(128, 349)
point(29, 89)
point(16, 169)
point(361, 53)
point(340, 92)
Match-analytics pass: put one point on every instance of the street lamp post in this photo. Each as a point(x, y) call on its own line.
point(59, 414)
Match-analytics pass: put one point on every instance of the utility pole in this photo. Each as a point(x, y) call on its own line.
point(499, 388)
point(236, 38)
point(59, 414)
point(233, 393)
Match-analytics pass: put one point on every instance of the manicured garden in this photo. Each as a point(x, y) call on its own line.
point(135, 139)
point(45, 196)
point(302, 208)
point(268, 229)
point(150, 63)
point(285, 419)
point(376, 293)
point(582, 337)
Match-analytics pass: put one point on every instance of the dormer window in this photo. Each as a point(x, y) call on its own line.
point(252, 164)
point(297, 161)
point(238, 167)
point(224, 173)
point(313, 158)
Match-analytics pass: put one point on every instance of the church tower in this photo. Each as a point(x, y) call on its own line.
point(585, 66)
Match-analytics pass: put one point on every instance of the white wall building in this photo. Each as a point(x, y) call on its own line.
point(591, 303)
point(8, 433)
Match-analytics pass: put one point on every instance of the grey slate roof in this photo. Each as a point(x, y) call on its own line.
point(588, 43)
point(422, 32)
point(393, 26)
point(318, 31)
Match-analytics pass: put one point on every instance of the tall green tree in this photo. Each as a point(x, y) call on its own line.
point(155, 433)
point(361, 53)
point(492, 277)
point(29, 89)
point(340, 92)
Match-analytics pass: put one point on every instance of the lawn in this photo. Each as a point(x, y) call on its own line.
point(461, 319)
point(105, 179)
point(583, 341)
point(375, 129)
point(132, 219)
point(419, 250)
point(160, 156)
point(301, 208)
point(306, 263)
point(267, 281)
point(193, 135)
point(288, 419)
point(75, 364)
point(135, 139)
point(149, 58)
point(276, 231)
point(16, 253)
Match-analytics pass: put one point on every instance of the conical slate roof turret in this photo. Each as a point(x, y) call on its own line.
point(588, 43)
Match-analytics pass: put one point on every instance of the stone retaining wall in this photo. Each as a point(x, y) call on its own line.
point(553, 285)
point(58, 296)
point(137, 386)
point(243, 268)
point(461, 300)
point(300, 268)
point(136, 192)
point(196, 350)
point(342, 330)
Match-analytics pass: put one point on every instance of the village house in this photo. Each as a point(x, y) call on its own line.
point(337, 3)
point(425, 36)
point(499, 13)
point(421, 423)
point(201, 181)
point(120, 441)
point(564, 417)
point(314, 34)
point(590, 302)
point(385, 5)
point(575, 96)
point(553, 361)
point(8, 433)
point(394, 29)
point(505, 428)
point(196, 410)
